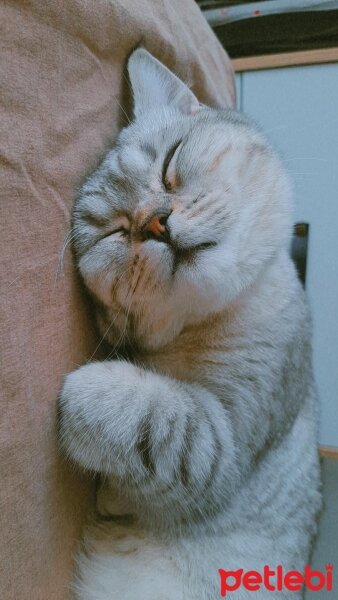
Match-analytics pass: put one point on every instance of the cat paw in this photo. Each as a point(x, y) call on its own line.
point(93, 381)
point(95, 402)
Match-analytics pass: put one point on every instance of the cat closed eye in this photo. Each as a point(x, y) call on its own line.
point(121, 230)
point(169, 185)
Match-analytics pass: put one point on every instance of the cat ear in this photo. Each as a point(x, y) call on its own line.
point(154, 85)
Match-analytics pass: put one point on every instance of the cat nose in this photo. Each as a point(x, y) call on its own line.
point(156, 227)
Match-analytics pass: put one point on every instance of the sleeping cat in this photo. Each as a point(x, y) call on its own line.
point(203, 425)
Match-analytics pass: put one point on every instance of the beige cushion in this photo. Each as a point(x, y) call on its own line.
point(62, 85)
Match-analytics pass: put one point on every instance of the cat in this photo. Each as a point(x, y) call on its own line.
point(203, 423)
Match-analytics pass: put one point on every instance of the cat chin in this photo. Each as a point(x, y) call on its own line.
point(165, 310)
point(167, 299)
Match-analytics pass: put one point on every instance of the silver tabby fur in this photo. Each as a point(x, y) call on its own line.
point(203, 426)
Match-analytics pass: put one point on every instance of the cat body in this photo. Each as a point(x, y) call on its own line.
point(205, 435)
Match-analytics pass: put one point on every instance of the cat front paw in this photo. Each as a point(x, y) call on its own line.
point(80, 389)
point(95, 402)
point(79, 393)
point(94, 383)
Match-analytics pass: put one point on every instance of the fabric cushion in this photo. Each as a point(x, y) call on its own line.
point(64, 95)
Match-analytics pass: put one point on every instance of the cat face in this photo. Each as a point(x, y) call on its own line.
point(182, 215)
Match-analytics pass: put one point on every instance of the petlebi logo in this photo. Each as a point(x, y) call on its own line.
point(276, 580)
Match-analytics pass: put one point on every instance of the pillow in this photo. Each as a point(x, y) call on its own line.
point(64, 95)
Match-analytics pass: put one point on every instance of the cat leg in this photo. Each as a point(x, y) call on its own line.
point(166, 438)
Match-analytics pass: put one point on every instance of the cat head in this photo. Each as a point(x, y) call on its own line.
point(183, 214)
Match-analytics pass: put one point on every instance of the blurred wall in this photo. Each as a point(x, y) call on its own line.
point(297, 107)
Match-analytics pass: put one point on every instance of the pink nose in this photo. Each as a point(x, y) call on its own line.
point(156, 226)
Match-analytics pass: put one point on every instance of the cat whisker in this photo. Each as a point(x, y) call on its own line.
point(315, 158)
point(111, 323)
point(123, 333)
point(69, 237)
point(121, 107)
